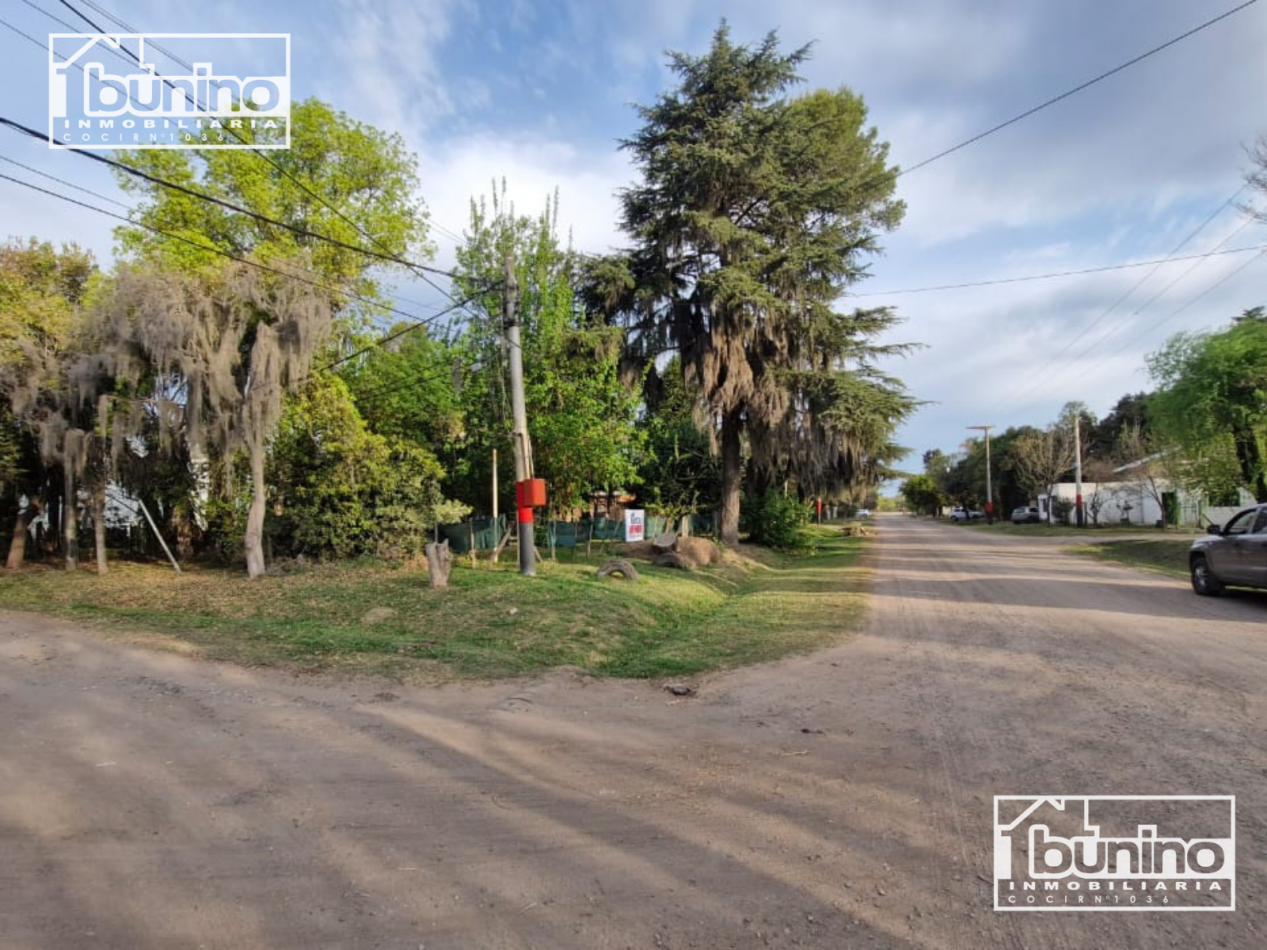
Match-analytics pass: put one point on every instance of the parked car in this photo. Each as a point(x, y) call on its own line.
point(1234, 555)
point(963, 514)
point(863, 513)
point(1026, 514)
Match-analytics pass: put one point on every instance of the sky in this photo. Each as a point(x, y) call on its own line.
point(541, 93)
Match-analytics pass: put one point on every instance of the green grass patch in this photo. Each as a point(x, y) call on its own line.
point(490, 623)
point(1167, 555)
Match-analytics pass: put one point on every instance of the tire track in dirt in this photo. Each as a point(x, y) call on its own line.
point(835, 800)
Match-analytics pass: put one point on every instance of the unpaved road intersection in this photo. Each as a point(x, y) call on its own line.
point(837, 800)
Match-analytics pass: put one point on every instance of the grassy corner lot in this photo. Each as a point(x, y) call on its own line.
point(490, 622)
point(1165, 555)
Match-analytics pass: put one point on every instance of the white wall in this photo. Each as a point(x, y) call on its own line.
point(1122, 502)
point(1144, 509)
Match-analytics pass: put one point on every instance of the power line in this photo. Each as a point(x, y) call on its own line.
point(1067, 273)
point(60, 181)
point(52, 16)
point(416, 324)
point(1159, 324)
point(119, 53)
point(281, 170)
point(150, 44)
point(419, 269)
point(1143, 280)
point(1038, 379)
point(1165, 290)
point(23, 34)
point(1071, 92)
point(229, 205)
point(243, 260)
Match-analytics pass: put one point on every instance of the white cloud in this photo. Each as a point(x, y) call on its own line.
point(390, 62)
point(533, 168)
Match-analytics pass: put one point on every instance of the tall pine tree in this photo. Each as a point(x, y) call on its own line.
point(754, 214)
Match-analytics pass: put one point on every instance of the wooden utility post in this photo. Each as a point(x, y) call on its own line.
point(1079, 520)
point(519, 435)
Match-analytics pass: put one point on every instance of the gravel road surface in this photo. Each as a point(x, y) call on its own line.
point(837, 800)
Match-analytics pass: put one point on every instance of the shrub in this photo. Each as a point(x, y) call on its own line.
point(339, 490)
point(1061, 509)
point(777, 521)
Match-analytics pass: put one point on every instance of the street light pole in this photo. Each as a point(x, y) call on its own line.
point(989, 485)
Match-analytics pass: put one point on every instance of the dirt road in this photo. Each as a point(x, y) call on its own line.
point(838, 800)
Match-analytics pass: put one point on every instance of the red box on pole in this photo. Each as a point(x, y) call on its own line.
point(531, 493)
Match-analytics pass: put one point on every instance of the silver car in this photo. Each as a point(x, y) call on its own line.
point(1234, 555)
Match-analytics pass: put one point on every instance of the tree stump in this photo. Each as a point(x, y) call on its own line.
point(665, 543)
point(439, 563)
point(618, 566)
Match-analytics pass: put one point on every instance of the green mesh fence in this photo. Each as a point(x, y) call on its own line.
point(480, 534)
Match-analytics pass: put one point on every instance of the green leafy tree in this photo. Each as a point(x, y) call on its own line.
point(753, 214)
point(1212, 396)
point(1043, 459)
point(340, 178)
point(679, 474)
point(47, 417)
point(923, 494)
point(779, 521)
point(211, 355)
point(338, 489)
point(1130, 410)
point(580, 414)
point(1009, 493)
point(411, 389)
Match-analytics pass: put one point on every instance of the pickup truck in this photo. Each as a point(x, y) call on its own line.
point(963, 514)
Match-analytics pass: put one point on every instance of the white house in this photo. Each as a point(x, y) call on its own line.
point(1137, 502)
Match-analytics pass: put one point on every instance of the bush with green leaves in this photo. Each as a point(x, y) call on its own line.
point(778, 521)
point(340, 490)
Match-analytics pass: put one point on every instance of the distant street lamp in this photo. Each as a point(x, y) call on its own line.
point(989, 486)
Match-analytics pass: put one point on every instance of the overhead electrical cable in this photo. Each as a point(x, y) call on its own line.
point(229, 205)
point(421, 270)
point(243, 260)
point(1056, 274)
point(1075, 90)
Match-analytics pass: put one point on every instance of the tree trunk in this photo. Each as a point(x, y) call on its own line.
point(99, 524)
point(439, 563)
point(17, 547)
point(50, 537)
point(1250, 461)
point(731, 478)
point(70, 520)
point(255, 516)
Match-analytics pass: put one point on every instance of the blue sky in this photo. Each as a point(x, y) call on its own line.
point(540, 93)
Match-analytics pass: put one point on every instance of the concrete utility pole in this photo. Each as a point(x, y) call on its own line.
point(989, 485)
point(519, 435)
point(1077, 471)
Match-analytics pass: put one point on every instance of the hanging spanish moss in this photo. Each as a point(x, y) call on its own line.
point(209, 358)
point(754, 215)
